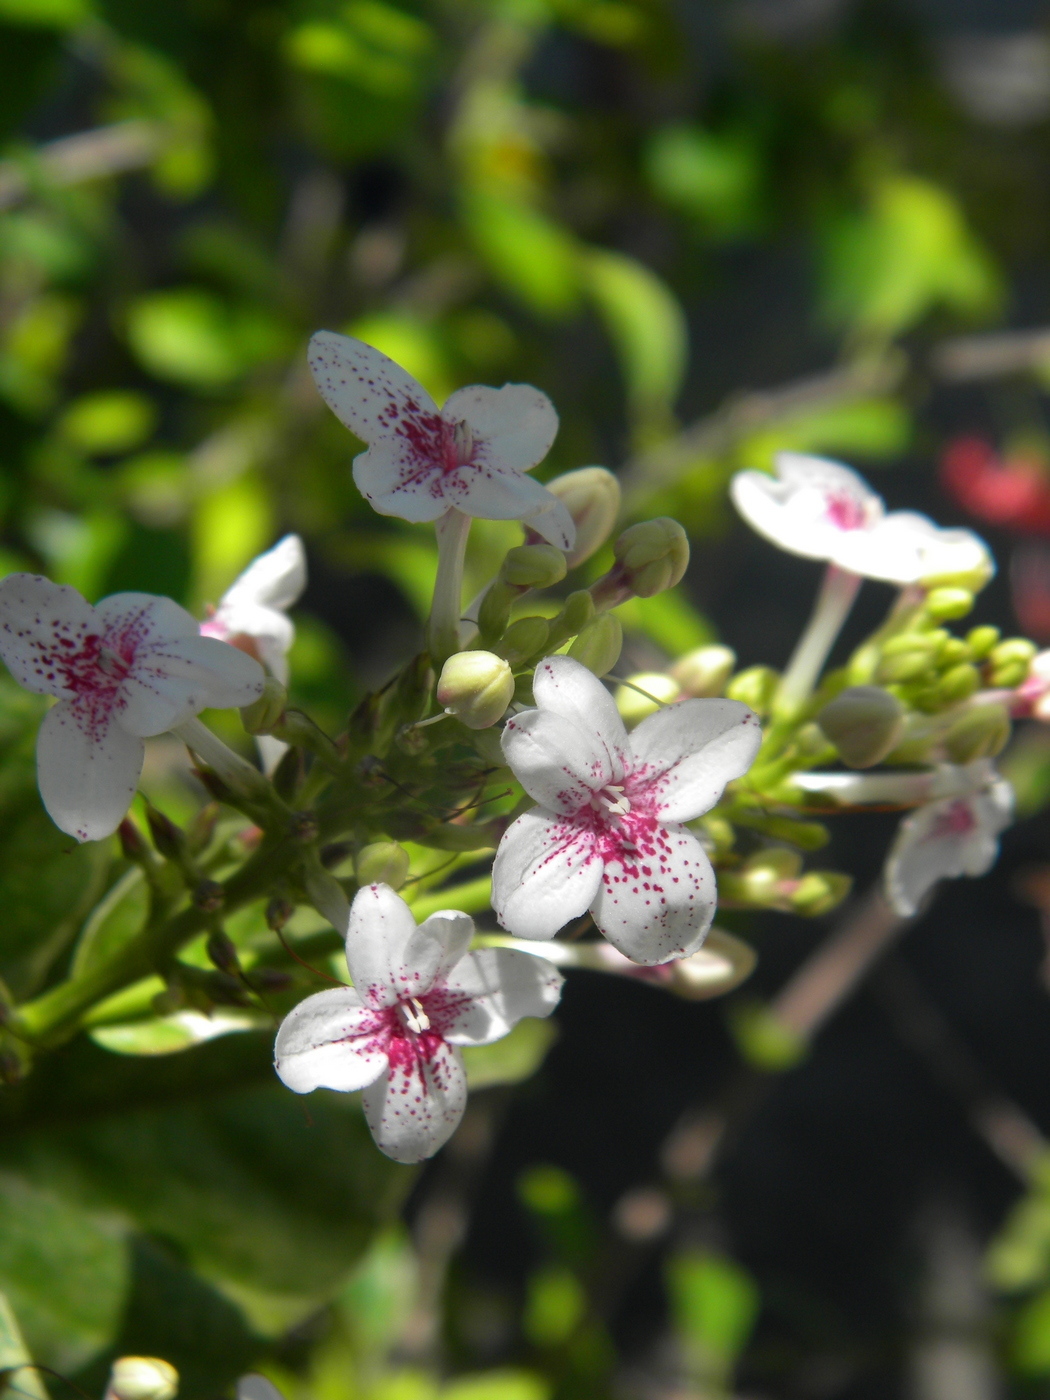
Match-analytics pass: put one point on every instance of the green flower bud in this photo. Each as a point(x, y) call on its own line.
point(575, 615)
point(864, 723)
point(599, 645)
point(635, 707)
point(910, 655)
point(945, 604)
point(755, 687)
point(263, 714)
point(1013, 649)
point(704, 672)
point(382, 863)
point(524, 639)
point(653, 556)
point(476, 687)
point(953, 651)
point(818, 892)
point(142, 1378)
point(958, 684)
point(979, 733)
point(1009, 674)
point(760, 880)
point(592, 497)
point(721, 965)
point(981, 640)
point(533, 566)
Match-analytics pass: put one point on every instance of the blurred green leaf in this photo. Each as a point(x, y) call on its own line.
point(1030, 1343)
point(715, 178)
point(670, 620)
point(413, 344)
point(192, 338)
point(56, 14)
point(117, 917)
point(15, 1356)
point(108, 423)
point(555, 1304)
point(714, 1303)
point(873, 427)
point(514, 1058)
point(168, 1035)
point(498, 1385)
point(527, 253)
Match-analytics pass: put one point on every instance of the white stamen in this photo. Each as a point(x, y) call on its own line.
point(463, 440)
point(110, 664)
point(413, 1015)
point(612, 798)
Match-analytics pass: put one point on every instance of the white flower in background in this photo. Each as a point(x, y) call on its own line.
point(418, 994)
point(608, 834)
point(471, 455)
point(251, 613)
point(945, 839)
point(822, 510)
point(133, 666)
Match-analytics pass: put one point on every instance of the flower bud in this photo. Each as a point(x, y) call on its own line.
point(755, 687)
point(981, 732)
point(818, 892)
point(864, 723)
point(132, 845)
point(957, 684)
point(760, 880)
point(953, 651)
point(635, 707)
point(592, 497)
point(575, 615)
point(476, 687)
point(910, 655)
point(167, 837)
point(599, 644)
point(981, 640)
point(1010, 661)
point(533, 566)
point(382, 863)
point(142, 1378)
point(653, 556)
point(261, 715)
point(946, 604)
point(720, 966)
point(524, 639)
point(704, 672)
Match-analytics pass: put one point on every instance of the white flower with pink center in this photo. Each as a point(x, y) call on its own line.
point(251, 614)
point(133, 666)
point(472, 455)
point(943, 840)
point(418, 995)
point(822, 510)
point(608, 834)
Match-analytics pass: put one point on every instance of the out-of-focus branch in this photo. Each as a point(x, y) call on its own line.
point(87, 155)
point(968, 358)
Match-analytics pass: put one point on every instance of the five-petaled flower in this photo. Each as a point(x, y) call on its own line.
point(418, 994)
point(608, 834)
point(133, 666)
point(823, 510)
point(471, 455)
point(943, 840)
point(251, 613)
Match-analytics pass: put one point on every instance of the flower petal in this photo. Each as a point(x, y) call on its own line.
point(810, 507)
point(906, 547)
point(489, 992)
point(659, 905)
point(943, 840)
point(567, 688)
point(557, 762)
point(43, 626)
point(395, 481)
point(449, 932)
point(330, 1041)
point(691, 750)
point(87, 769)
point(489, 493)
point(554, 523)
point(546, 872)
point(516, 424)
point(365, 389)
point(415, 1109)
point(388, 959)
point(274, 580)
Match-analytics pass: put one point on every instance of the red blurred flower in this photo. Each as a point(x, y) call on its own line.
point(1030, 589)
point(1012, 491)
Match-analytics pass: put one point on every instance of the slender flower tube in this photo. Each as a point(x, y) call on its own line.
point(472, 455)
point(943, 840)
point(443, 628)
point(418, 995)
point(608, 832)
point(905, 789)
point(830, 611)
point(133, 666)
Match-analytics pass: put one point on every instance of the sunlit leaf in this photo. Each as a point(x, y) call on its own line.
point(714, 1304)
point(527, 253)
point(514, 1058)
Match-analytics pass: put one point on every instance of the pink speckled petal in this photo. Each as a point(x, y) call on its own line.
point(330, 1041)
point(689, 752)
point(943, 840)
point(395, 481)
point(390, 960)
point(499, 494)
point(557, 762)
point(517, 423)
point(489, 992)
point(657, 904)
point(365, 389)
point(565, 687)
point(445, 936)
point(415, 1109)
point(546, 873)
point(87, 768)
point(42, 627)
point(810, 507)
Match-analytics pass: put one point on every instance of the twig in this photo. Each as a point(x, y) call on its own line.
point(974, 357)
point(87, 155)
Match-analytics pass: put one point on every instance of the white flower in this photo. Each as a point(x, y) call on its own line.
point(822, 510)
point(471, 455)
point(945, 839)
point(899, 787)
point(251, 613)
point(608, 834)
point(417, 995)
point(133, 666)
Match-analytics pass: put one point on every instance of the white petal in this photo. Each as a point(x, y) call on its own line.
point(43, 627)
point(396, 479)
point(546, 872)
point(446, 935)
point(557, 762)
point(568, 689)
point(810, 507)
point(271, 634)
point(274, 580)
point(364, 388)
point(906, 547)
point(489, 493)
point(390, 960)
point(489, 992)
point(517, 423)
point(172, 681)
point(691, 750)
point(553, 523)
point(943, 840)
point(415, 1109)
point(87, 768)
point(658, 904)
point(330, 1041)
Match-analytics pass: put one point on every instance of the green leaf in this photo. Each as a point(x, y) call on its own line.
point(167, 1035)
point(514, 1058)
point(117, 917)
point(669, 619)
point(529, 254)
point(873, 427)
point(715, 178)
point(47, 14)
point(15, 1356)
point(194, 339)
point(498, 1385)
point(715, 1304)
point(108, 423)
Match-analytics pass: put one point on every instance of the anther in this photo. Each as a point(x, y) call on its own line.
point(463, 441)
point(413, 1015)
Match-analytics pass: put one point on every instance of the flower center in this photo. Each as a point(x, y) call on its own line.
point(956, 821)
point(462, 442)
point(110, 664)
point(613, 800)
point(413, 1016)
point(844, 511)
